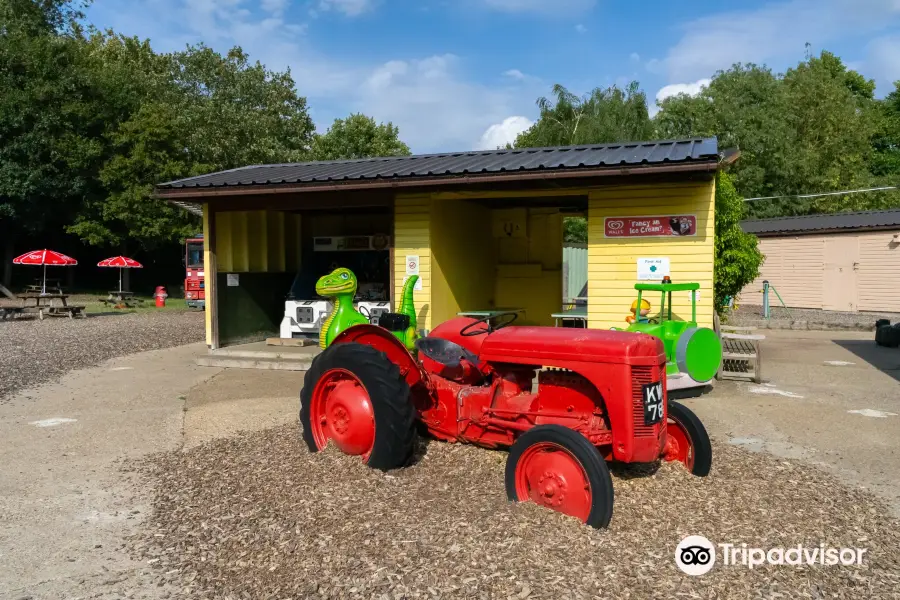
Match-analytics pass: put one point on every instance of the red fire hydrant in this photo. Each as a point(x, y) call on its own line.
point(161, 294)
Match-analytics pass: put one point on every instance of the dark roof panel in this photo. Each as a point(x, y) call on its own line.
point(463, 163)
point(846, 220)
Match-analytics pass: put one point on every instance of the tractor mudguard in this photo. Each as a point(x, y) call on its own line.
point(383, 340)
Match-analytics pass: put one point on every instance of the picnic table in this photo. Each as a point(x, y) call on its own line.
point(577, 317)
point(120, 298)
point(50, 304)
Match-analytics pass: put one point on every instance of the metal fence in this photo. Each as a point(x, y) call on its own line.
point(575, 273)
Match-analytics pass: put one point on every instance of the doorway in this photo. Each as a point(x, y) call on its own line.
point(841, 271)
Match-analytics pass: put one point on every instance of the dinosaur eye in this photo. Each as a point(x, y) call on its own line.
point(345, 276)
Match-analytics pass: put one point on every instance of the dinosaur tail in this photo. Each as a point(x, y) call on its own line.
point(406, 300)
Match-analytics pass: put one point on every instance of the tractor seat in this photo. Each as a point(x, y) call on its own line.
point(444, 351)
point(394, 321)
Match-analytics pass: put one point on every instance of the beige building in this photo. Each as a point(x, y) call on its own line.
point(845, 261)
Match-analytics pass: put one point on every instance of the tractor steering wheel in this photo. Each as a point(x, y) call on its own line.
point(469, 331)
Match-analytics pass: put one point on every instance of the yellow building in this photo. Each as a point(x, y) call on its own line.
point(483, 230)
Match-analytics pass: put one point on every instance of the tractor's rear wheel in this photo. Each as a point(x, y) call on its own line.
point(355, 397)
point(558, 468)
point(687, 441)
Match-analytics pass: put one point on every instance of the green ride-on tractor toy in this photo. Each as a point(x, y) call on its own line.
point(693, 354)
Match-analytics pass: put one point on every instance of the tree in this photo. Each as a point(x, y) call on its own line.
point(737, 258)
point(605, 115)
point(178, 115)
point(575, 230)
point(44, 114)
point(358, 136)
point(809, 130)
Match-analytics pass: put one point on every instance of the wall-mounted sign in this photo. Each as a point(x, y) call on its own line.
point(652, 269)
point(232, 280)
point(661, 226)
point(412, 268)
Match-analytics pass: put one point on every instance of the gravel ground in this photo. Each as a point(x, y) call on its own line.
point(805, 318)
point(34, 351)
point(257, 516)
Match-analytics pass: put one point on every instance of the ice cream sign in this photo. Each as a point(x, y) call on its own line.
point(658, 226)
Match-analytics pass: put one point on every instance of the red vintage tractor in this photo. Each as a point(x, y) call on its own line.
point(564, 401)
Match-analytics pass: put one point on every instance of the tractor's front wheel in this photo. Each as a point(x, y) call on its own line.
point(687, 441)
point(355, 397)
point(558, 468)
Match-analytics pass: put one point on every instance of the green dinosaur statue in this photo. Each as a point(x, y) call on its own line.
point(408, 337)
point(340, 284)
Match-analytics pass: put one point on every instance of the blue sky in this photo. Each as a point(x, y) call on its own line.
point(464, 74)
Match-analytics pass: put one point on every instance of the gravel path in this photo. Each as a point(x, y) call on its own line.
point(806, 318)
point(34, 351)
point(257, 516)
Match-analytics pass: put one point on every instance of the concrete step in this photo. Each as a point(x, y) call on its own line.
point(237, 362)
point(301, 354)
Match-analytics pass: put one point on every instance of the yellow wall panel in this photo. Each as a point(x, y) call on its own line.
point(462, 252)
point(256, 241)
point(612, 262)
point(412, 237)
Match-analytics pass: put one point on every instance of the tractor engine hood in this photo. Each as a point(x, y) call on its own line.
point(538, 345)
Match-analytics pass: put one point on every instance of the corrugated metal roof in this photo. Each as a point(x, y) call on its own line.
point(463, 163)
point(847, 220)
point(191, 207)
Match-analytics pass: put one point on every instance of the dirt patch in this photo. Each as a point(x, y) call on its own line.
point(258, 516)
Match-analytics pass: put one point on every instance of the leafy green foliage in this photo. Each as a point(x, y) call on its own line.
point(605, 115)
point(807, 131)
point(737, 258)
point(358, 136)
point(575, 230)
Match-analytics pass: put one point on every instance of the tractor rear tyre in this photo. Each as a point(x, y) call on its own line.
point(688, 441)
point(355, 397)
point(558, 468)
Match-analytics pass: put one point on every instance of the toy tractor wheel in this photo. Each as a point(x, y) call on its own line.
point(558, 468)
point(354, 396)
point(698, 352)
point(687, 441)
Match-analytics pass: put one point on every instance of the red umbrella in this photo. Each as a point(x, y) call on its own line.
point(121, 262)
point(44, 258)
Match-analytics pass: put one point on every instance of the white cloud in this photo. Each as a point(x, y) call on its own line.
point(673, 89)
point(515, 74)
point(634, 57)
point(499, 134)
point(351, 8)
point(433, 100)
point(276, 7)
point(580, 28)
point(433, 104)
point(559, 7)
point(773, 33)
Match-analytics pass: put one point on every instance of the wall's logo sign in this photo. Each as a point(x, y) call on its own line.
point(695, 555)
point(616, 224)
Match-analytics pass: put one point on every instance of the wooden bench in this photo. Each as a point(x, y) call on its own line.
point(58, 311)
point(741, 358)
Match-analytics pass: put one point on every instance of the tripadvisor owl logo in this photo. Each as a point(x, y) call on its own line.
point(695, 555)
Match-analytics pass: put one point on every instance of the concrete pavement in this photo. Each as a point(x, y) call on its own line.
point(65, 504)
point(829, 398)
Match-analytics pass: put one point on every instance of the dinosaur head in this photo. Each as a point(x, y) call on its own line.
point(339, 281)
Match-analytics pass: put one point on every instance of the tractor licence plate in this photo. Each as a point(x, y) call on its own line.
point(653, 402)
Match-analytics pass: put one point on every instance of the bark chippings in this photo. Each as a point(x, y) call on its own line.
point(258, 516)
